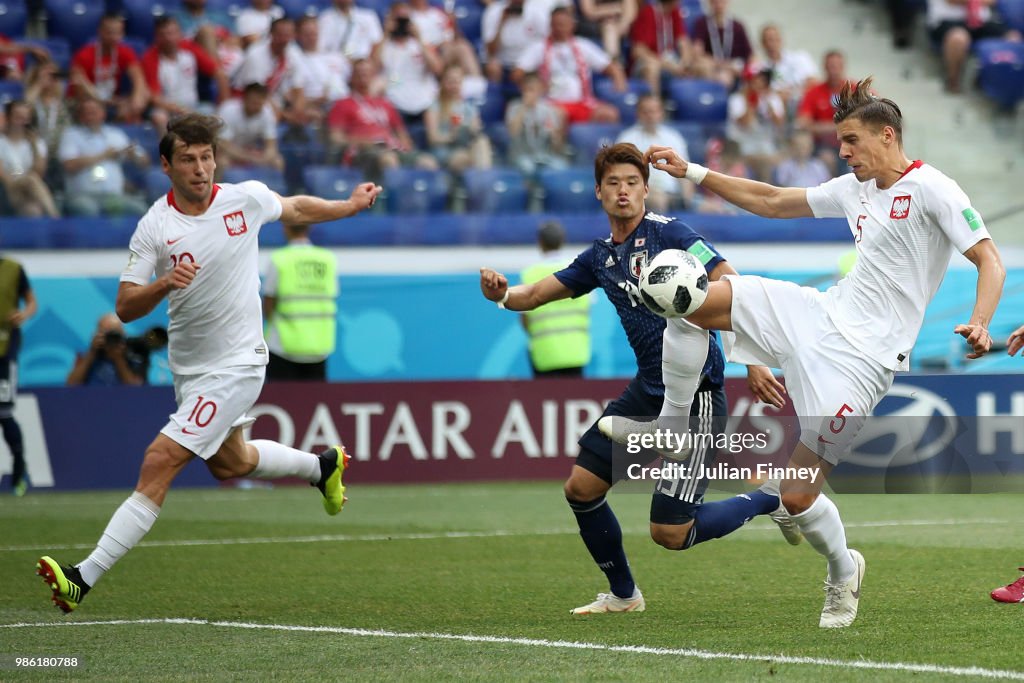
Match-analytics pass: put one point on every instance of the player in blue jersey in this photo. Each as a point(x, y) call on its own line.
point(679, 518)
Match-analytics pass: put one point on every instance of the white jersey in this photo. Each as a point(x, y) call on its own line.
point(216, 322)
point(905, 237)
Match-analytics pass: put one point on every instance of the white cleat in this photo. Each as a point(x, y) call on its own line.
point(609, 602)
point(841, 599)
point(790, 531)
point(619, 429)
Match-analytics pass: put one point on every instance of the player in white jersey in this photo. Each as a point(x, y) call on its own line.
point(201, 243)
point(839, 349)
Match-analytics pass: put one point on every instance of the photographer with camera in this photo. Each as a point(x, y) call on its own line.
point(110, 360)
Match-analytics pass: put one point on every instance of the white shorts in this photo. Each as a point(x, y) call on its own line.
point(833, 385)
point(211, 405)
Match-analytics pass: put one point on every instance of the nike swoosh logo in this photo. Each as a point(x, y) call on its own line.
point(822, 439)
point(175, 240)
point(184, 430)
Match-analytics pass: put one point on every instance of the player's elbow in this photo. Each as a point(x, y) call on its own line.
point(125, 311)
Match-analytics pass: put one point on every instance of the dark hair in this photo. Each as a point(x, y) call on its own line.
point(190, 129)
point(551, 235)
point(619, 153)
point(163, 20)
point(855, 101)
point(255, 87)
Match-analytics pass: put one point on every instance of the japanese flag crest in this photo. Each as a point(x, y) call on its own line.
point(637, 261)
point(900, 207)
point(235, 223)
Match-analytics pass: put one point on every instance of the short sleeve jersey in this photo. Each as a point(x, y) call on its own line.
point(616, 268)
point(905, 236)
point(215, 322)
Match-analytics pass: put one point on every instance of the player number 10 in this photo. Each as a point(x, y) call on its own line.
point(203, 412)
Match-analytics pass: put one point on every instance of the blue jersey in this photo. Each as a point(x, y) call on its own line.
point(615, 268)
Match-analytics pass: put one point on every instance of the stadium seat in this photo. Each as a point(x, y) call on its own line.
point(13, 18)
point(139, 16)
point(331, 182)
point(571, 189)
point(10, 91)
point(138, 45)
point(498, 134)
point(469, 19)
point(59, 49)
point(698, 100)
point(157, 183)
point(696, 139)
point(299, 8)
point(74, 20)
point(587, 138)
point(495, 190)
point(411, 190)
point(1001, 71)
point(626, 101)
point(1012, 12)
point(492, 109)
point(270, 177)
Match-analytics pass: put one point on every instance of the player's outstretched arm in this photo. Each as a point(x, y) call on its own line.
point(306, 210)
point(494, 287)
point(1016, 341)
point(991, 274)
point(756, 197)
point(135, 301)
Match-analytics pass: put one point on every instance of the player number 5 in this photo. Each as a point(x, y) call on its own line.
point(839, 421)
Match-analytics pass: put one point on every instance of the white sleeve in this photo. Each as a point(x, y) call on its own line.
point(374, 30)
point(596, 58)
point(269, 204)
point(531, 57)
point(490, 22)
point(948, 206)
point(826, 200)
point(142, 255)
point(269, 122)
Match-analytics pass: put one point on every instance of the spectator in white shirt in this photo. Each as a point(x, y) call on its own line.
point(410, 66)
point(277, 63)
point(757, 120)
point(326, 73)
point(793, 71)
point(509, 28)
point(253, 23)
point(353, 31)
point(249, 136)
point(664, 192)
point(439, 29)
point(23, 158)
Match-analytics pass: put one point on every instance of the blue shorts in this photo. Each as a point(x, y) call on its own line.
point(673, 502)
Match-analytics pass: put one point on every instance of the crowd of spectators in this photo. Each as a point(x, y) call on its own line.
point(452, 88)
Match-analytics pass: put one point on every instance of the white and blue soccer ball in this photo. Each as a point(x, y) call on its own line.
point(674, 284)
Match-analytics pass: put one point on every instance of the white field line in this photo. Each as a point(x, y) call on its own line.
point(435, 536)
point(686, 653)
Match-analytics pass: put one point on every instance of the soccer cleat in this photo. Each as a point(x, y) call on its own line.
point(841, 599)
point(609, 602)
point(1013, 592)
point(20, 488)
point(65, 581)
point(333, 463)
point(619, 429)
point(790, 531)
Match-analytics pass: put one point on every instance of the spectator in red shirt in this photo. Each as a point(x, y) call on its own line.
point(722, 44)
point(367, 131)
point(12, 57)
point(100, 68)
point(659, 43)
point(172, 66)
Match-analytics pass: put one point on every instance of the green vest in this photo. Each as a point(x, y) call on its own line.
point(559, 331)
point(10, 273)
point(304, 315)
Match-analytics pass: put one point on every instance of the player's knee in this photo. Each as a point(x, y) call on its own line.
point(671, 536)
point(796, 502)
point(578, 490)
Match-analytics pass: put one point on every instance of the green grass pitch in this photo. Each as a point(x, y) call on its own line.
point(475, 582)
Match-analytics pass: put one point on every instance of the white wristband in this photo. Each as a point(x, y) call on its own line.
point(504, 300)
point(695, 173)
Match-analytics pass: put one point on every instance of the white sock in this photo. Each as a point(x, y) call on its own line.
point(130, 523)
point(824, 530)
point(278, 461)
point(684, 352)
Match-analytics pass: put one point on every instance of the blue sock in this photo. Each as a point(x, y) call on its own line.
point(602, 535)
point(722, 517)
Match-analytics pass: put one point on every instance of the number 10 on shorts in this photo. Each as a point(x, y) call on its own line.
point(202, 412)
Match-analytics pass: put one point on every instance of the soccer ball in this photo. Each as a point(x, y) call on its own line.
point(674, 284)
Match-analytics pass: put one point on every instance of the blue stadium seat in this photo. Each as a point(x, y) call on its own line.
point(696, 139)
point(571, 189)
point(13, 18)
point(410, 190)
point(1001, 71)
point(498, 134)
point(74, 20)
point(1012, 12)
point(270, 177)
point(145, 136)
point(139, 16)
point(59, 49)
point(492, 109)
point(298, 8)
point(586, 139)
point(157, 183)
point(11, 90)
point(495, 190)
point(699, 100)
point(626, 101)
point(138, 45)
point(331, 182)
point(469, 19)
